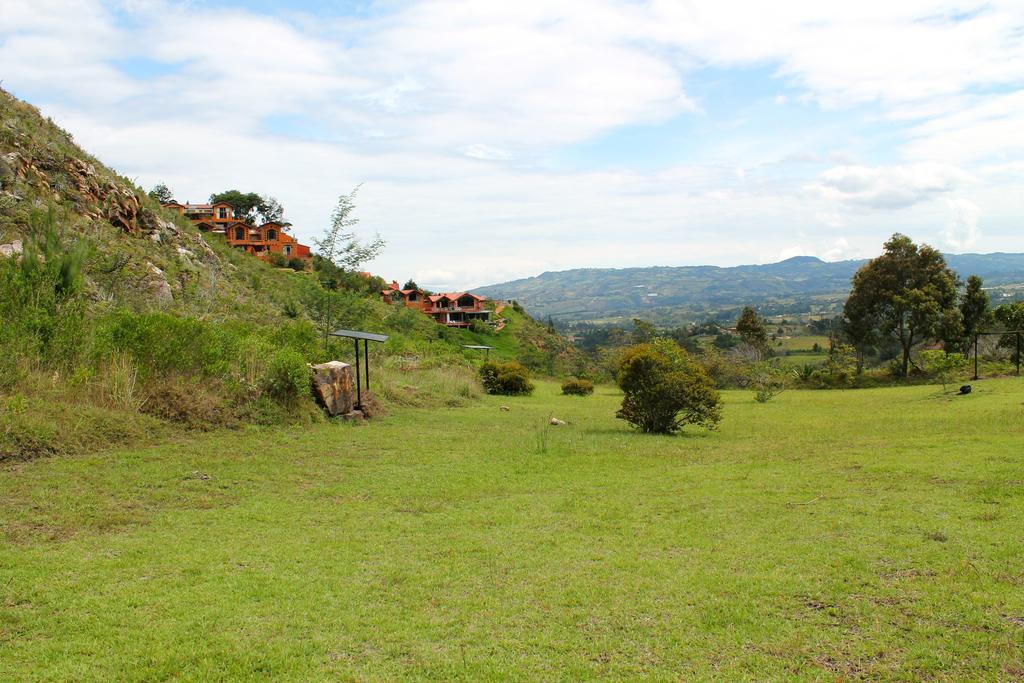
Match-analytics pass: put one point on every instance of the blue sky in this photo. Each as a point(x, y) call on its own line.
point(499, 140)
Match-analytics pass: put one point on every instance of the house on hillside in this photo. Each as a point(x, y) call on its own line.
point(454, 309)
point(260, 241)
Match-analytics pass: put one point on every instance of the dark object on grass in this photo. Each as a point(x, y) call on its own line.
point(965, 389)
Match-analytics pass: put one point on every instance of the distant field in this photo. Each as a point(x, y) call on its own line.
point(824, 535)
point(803, 343)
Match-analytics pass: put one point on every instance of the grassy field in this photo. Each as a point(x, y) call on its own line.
point(823, 535)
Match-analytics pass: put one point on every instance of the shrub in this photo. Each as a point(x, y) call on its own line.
point(297, 264)
point(506, 379)
point(767, 380)
point(288, 376)
point(942, 364)
point(577, 387)
point(665, 389)
point(277, 260)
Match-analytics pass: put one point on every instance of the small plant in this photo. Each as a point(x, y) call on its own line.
point(577, 387)
point(506, 379)
point(767, 380)
point(288, 376)
point(942, 364)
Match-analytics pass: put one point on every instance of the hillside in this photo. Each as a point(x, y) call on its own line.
point(683, 293)
point(125, 314)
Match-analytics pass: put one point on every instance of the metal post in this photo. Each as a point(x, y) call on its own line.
point(975, 357)
point(1018, 354)
point(359, 379)
point(366, 357)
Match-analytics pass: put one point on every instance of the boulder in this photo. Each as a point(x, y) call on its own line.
point(334, 386)
point(158, 286)
point(13, 249)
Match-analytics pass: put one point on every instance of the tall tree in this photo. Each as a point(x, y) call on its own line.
point(908, 293)
point(340, 245)
point(974, 308)
point(162, 193)
point(752, 330)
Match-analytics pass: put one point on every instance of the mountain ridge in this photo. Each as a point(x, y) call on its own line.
point(677, 293)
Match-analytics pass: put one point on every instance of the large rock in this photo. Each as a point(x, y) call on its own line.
point(334, 385)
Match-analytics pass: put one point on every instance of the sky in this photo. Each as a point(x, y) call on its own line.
point(497, 140)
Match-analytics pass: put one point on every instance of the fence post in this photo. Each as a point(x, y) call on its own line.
point(975, 357)
point(1018, 353)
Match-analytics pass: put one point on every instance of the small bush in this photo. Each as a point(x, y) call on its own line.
point(577, 387)
point(288, 376)
point(277, 260)
point(506, 379)
point(297, 264)
point(665, 389)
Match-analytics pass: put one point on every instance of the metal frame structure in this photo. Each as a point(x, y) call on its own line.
point(999, 334)
point(480, 347)
point(367, 337)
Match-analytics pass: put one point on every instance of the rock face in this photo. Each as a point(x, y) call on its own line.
point(334, 386)
point(13, 249)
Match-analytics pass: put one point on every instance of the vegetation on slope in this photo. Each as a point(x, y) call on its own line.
point(128, 317)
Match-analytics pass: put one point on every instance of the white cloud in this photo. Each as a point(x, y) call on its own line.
point(412, 99)
point(889, 187)
point(962, 231)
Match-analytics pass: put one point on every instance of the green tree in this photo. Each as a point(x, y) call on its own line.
point(251, 207)
point(664, 389)
point(162, 193)
point(974, 309)
point(752, 329)
point(411, 284)
point(340, 245)
point(643, 331)
point(908, 294)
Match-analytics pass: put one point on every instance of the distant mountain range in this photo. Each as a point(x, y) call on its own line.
point(681, 293)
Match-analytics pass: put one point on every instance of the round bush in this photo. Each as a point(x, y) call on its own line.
point(506, 379)
point(577, 387)
point(665, 389)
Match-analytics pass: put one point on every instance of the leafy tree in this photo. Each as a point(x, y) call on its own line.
point(1011, 316)
point(751, 329)
point(162, 193)
point(411, 284)
point(643, 331)
point(339, 244)
point(974, 308)
point(251, 207)
point(908, 293)
point(665, 389)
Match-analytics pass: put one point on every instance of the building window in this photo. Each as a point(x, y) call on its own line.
point(287, 251)
point(271, 235)
point(222, 213)
point(240, 234)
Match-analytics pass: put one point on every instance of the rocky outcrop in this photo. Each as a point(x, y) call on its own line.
point(157, 285)
point(334, 386)
point(13, 249)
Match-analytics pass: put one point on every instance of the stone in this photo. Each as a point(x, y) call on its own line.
point(555, 421)
point(334, 387)
point(158, 286)
point(13, 249)
point(505, 409)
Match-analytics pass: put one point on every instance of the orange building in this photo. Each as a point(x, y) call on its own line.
point(260, 241)
point(454, 309)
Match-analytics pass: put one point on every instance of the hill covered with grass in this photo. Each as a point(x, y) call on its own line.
point(128, 317)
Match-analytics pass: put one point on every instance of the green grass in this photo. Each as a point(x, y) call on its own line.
point(823, 535)
point(802, 343)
